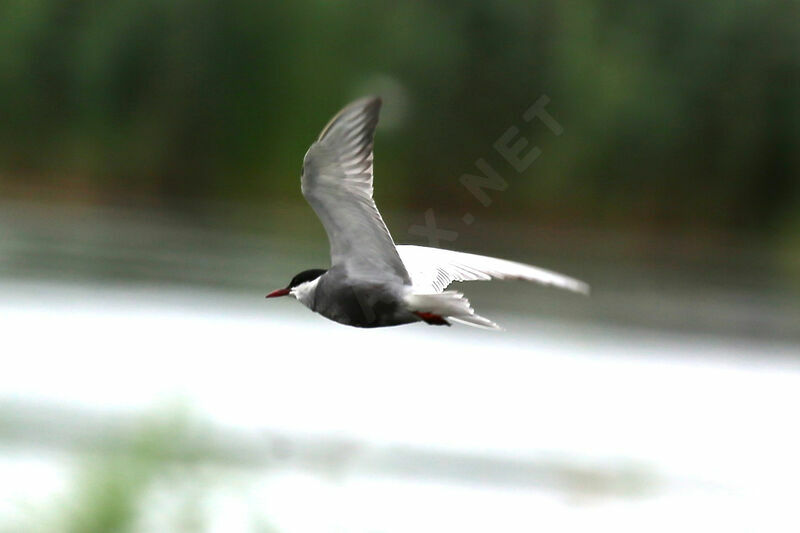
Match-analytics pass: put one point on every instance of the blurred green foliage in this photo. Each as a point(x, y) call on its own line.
point(155, 476)
point(677, 114)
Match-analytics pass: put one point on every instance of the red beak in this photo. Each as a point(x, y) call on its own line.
point(279, 292)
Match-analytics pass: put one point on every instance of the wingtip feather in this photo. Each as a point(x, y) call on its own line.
point(363, 103)
point(581, 288)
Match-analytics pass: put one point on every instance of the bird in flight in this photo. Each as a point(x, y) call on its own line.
point(372, 282)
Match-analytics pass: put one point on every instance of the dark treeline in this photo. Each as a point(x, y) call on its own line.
point(677, 113)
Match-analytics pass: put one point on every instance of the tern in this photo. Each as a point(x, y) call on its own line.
point(372, 282)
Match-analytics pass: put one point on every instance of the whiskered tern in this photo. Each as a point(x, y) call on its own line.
point(372, 282)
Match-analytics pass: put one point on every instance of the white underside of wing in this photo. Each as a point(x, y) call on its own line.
point(433, 269)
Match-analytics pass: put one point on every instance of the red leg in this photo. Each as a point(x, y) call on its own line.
point(432, 319)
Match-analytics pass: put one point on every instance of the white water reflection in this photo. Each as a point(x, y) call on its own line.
point(549, 425)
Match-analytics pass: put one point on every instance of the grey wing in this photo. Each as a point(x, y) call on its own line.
point(337, 182)
point(433, 269)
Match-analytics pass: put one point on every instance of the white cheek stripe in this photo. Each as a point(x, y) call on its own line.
point(305, 292)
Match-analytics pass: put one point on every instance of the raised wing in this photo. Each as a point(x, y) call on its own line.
point(337, 182)
point(433, 269)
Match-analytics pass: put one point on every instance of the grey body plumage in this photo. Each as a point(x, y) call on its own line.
point(360, 302)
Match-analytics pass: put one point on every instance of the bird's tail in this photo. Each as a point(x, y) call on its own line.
point(449, 304)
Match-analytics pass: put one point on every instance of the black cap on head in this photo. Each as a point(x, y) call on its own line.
point(306, 275)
